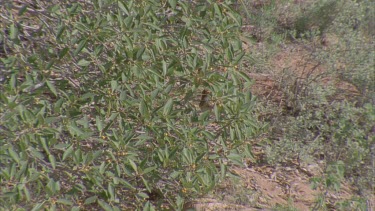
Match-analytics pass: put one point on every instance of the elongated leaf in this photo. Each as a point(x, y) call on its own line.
point(218, 11)
point(60, 31)
point(165, 67)
point(168, 107)
point(80, 46)
point(140, 53)
point(65, 202)
point(145, 182)
point(148, 206)
point(83, 63)
point(143, 195)
point(99, 123)
point(13, 81)
point(143, 108)
point(173, 3)
point(91, 200)
point(104, 205)
point(110, 122)
point(68, 152)
point(38, 206)
point(236, 159)
point(238, 58)
point(216, 111)
point(74, 130)
point(111, 191)
point(35, 153)
point(114, 85)
point(52, 160)
point(63, 52)
point(52, 87)
point(14, 155)
point(127, 184)
point(13, 34)
point(244, 76)
point(123, 7)
point(27, 193)
point(133, 165)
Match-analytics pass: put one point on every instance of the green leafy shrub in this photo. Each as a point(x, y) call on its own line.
point(120, 104)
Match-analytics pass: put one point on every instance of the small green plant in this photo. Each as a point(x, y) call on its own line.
point(287, 207)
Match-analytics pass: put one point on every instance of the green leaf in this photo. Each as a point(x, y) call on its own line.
point(8, 194)
point(99, 123)
point(91, 200)
point(83, 63)
point(102, 168)
point(153, 26)
point(148, 207)
point(110, 122)
point(68, 152)
point(149, 169)
point(74, 130)
point(127, 184)
point(223, 170)
point(168, 107)
point(35, 153)
point(111, 191)
point(14, 155)
point(140, 53)
point(52, 187)
point(143, 195)
point(60, 31)
point(218, 11)
point(145, 182)
point(143, 108)
point(244, 76)
point(13, 34)
point(22, 10)
point(217, 114)
point(27, 193)
point(52, 160)
point(238, 58)
point(235, 158)
point(114, 85)
point(50, 64)
point(173, 3)
point(81, 45)
point(123, 7)
point(38, 206)
point(75, 208)
point(52, 87)
point(104, 205)
point(65, 202)
point(133, 165)
point(123, 95)
point(165, 67)
point(13, 81)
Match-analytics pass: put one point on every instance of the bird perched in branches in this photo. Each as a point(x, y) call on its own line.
point(204, 101)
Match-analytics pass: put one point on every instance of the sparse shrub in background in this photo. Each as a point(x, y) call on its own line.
point(316, 19)
point(104, 103)
point(350, 53)
point(317, 125)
